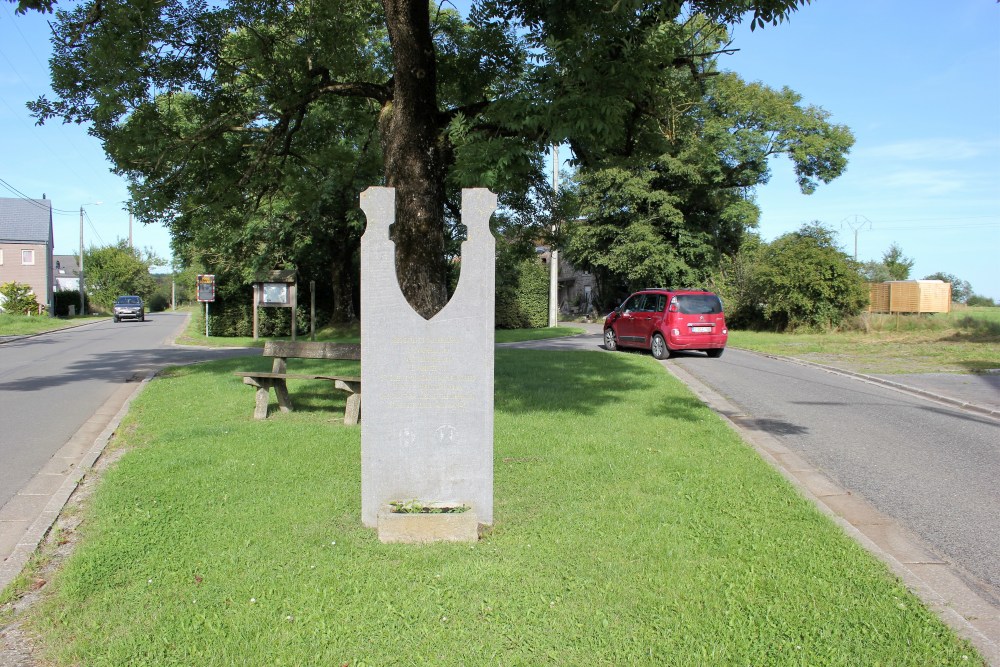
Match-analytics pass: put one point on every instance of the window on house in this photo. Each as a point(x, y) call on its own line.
point(27, 257)
point(1, 257)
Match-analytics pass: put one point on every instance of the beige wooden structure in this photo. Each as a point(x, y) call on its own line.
point(910, 296)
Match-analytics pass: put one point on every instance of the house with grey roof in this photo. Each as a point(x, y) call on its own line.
point(26, 246)
point(66, 272)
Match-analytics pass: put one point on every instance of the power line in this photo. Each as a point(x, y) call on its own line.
point(856, 224)
point(31, 200)
point(90, 222)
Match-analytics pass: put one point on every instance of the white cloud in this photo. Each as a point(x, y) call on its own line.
point(921, 182)
point(939, 149)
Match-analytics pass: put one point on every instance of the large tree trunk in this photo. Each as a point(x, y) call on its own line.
point(413, 157)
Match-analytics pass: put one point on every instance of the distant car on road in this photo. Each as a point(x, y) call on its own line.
point(664, 321)
point(129, 308)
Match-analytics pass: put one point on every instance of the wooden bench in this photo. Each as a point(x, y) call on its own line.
point(281, 351)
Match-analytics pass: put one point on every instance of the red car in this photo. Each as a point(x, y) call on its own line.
point(664, 321)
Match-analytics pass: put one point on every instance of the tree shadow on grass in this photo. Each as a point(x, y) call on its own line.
point(580, 382)
point(316, 396)
point(686, 408)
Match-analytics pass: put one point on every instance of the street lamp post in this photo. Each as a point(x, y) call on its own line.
point(82, 299)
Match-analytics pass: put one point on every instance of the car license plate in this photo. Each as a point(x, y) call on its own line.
point(701, 329)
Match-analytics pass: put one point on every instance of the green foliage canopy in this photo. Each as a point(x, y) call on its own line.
point(678, 201)
point(113, 270)
point(894, 265)
point(230, 115)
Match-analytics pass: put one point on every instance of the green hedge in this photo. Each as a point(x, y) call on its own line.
point(65, 298)
point(522, 301)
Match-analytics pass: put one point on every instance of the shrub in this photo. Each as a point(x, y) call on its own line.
point(65, 298)
point(980, 300)
point(523, 301)
point(799, 280)
point(18, 298)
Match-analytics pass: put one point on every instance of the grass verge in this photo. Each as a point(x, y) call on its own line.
point(966, 341)
point(632, 527)
point(21, 325)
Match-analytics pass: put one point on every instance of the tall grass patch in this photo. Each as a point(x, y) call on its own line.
point(963, 341)
point(632, 527)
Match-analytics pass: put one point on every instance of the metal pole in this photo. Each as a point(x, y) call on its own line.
point(312, 310)
point(256, 297)
point(295, 306)
point(81, 262)
point(553, 253)
point(206, 319)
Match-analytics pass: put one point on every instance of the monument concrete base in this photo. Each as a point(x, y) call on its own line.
point(422, 528)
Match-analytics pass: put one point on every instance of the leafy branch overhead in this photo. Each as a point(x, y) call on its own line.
point(249, 128)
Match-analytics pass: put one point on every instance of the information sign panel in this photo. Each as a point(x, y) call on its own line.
point(206, 287)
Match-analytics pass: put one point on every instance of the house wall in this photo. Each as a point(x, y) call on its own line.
point(36, 275)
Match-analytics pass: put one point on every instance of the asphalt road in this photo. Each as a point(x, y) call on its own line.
point(52, 383)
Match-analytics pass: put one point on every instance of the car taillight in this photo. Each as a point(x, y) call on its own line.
point(673, 305)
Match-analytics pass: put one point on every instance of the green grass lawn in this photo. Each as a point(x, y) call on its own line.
point(964, 341)
point(632, 528)
point(21, 325)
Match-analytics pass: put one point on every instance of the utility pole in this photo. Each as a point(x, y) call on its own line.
point(553, 252)
point(856, 224)
point(81, 261)
point(82, 299)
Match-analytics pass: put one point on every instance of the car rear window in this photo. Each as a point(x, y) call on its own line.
point(699, 304)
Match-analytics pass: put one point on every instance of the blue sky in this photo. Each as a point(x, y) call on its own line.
point(918, 82)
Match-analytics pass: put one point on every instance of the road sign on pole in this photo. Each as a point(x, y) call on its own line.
point(206, 293)
point(206, 287)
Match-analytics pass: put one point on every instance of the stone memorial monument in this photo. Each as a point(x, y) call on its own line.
point(427, 432)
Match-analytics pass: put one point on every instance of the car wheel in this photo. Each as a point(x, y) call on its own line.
point(610, 340)
point(659, 347)
point(716, 353)
point(116, 320)
point(142, 319)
